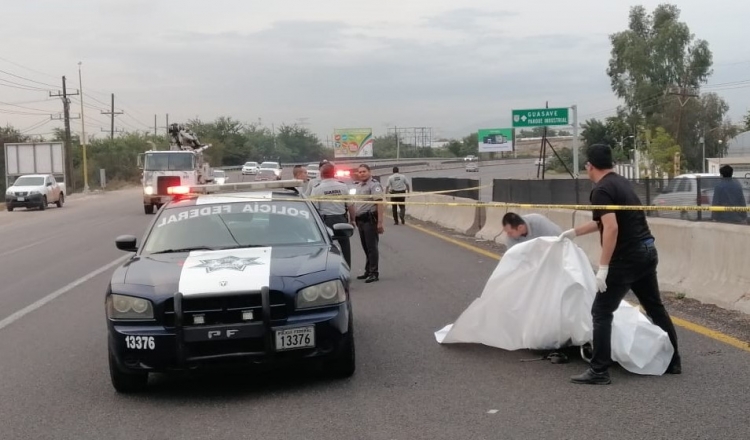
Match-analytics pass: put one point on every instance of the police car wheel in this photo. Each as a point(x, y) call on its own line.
point(344, 364)
point(126, 382)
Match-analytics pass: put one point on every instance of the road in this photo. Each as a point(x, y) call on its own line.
point(55, 384)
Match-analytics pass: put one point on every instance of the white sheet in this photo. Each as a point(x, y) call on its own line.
point(539, 297)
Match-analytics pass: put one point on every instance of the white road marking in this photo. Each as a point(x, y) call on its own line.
point(31, 307)
point(492, 411)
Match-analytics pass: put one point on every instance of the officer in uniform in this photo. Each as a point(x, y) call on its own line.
point(397, 184)
point(312, 182)
point(333, 211)
point(369, 220)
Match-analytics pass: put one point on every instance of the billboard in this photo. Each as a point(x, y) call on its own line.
point(495, 140)
point(352, 142)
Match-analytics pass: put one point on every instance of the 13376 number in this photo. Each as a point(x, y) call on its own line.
point(140, 342)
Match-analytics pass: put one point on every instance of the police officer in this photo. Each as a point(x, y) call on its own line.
point(333, 211)
point(369, 220)
point(312, 182)
point(628, 261)
point(397, 184)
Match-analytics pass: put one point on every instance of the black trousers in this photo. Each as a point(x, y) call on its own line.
point(636, 271)
point(346, 246)
point(401, 206)
point(368, 234)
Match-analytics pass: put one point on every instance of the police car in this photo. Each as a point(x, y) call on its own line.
point(230, 275)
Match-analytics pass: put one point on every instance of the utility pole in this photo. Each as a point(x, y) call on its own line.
point(154, 127)
point(83, 136)
point(686, 94)
point(575, 140)
point(69, 180)
point(167, 124)
point(112, 113)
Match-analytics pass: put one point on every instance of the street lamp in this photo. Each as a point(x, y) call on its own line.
point(703, 145)
point(83, 135)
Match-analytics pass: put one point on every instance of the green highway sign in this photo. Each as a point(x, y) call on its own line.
point(542, 117)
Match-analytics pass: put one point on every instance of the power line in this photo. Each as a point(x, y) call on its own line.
point(69, 179)
point(112, 114)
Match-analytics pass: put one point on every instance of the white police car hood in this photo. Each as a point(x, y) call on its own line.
point(226, 271)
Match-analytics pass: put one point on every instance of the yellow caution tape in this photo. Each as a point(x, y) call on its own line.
point(348, 199)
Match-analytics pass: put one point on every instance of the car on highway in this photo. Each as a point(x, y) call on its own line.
point(250, 168)
point(472, 167)
point(267, 174)
point(273, 166)
point(312, 170)
point(253, 277)
point(220, 177)
point(35, 191)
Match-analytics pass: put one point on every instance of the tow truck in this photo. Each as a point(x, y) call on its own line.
point(183, 164)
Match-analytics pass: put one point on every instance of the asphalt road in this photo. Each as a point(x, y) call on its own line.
point(55, 384)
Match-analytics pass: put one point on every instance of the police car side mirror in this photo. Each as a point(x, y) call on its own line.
point(126, 243)
point(342, 230)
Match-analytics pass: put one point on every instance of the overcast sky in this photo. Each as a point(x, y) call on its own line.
point(333, 64)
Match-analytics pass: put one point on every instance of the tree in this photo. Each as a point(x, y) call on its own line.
point(747, 121)
point(662, 149)
point(655, 54)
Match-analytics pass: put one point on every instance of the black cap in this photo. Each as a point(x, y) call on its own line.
point(600, 156)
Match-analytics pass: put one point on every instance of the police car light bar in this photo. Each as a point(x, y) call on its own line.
point(243, 186)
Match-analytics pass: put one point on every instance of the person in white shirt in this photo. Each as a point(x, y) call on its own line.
point(520, 228)
point(398, 184)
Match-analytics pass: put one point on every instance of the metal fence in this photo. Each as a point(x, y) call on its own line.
point(688, 190)
point(428, 184)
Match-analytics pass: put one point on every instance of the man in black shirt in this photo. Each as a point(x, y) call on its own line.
point(628, 261)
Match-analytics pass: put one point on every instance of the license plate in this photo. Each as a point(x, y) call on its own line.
point(21, 199)
point(293, 338)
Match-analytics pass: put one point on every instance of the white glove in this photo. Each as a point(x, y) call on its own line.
point(570, 233)
point(601, 278)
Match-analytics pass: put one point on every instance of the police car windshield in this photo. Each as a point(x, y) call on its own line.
point(232, 225)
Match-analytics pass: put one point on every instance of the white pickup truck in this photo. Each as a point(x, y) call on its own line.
point(35, 191)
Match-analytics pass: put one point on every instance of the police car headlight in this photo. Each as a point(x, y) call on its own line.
point(129, 307)
point(148, 190)
point(324, 294)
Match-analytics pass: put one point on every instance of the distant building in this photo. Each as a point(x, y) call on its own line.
point(739, 146)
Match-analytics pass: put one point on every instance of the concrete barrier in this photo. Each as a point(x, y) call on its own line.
point(705, 261)
point(702, 260)
point(464, 219)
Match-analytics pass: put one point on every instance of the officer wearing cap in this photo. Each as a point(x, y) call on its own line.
point(333, 211)
point(311, 184)
point(369, 220)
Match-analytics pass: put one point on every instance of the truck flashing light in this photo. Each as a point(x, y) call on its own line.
point(178, 190)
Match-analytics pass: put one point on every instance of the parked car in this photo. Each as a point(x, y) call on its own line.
point(683, 191)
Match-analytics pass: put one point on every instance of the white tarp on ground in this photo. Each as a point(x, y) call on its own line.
point(539, 297)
